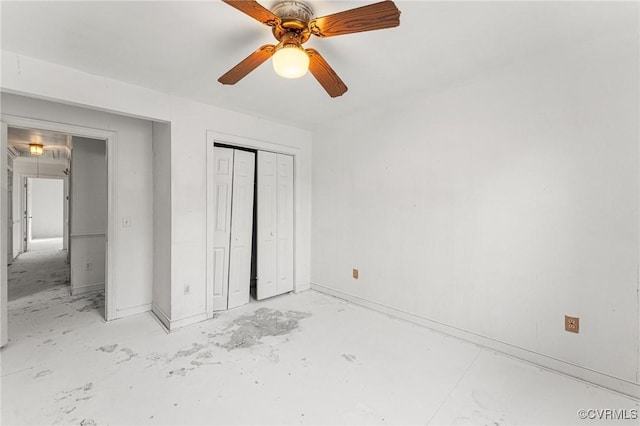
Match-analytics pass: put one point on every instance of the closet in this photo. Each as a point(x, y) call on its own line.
point(251, 237)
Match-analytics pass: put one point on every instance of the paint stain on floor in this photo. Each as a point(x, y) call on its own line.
point(204, 358)
point(196, 347)
point(108, 349)
point(95, 301)
point(248, 330)
point(42, 373)
point(129, 353)
point(349, 357)
point(178, 372)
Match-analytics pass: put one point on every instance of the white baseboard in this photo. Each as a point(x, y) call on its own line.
point(172, 325)
point(183, 322)
point(572, 370)
point(300, 288)
point(87, 289)
point(121, 313)
point(161, 316)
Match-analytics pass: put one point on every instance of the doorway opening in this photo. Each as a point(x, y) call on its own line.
point(38, 217)
point(45, 214)
point(60, 201)
point(63, 208)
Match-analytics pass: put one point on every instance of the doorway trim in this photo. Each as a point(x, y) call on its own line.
point(23, 207)
point(111, 139)
point(214, 137)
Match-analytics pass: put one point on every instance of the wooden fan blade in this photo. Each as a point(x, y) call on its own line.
point(366, 18)
point(257, 12)
point(325, 75)
point(248, 64)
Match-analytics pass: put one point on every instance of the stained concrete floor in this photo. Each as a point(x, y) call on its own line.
point(48, 244)
point(295, 359)
point(35, 271)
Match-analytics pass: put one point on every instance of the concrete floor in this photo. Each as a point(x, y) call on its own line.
point(294, 359)
point(36, 271)
point(45, 244)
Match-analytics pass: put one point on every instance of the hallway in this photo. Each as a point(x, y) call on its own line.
point(38, 270)
point(296, 359)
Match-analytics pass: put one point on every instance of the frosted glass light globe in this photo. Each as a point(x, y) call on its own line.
point(290, 62)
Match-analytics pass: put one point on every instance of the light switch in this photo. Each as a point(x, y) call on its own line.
point(126, 221)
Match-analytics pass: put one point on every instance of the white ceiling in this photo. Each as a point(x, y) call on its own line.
point(182, 47)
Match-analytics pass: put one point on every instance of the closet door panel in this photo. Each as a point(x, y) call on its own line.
point(267, 225)
point(285, 223)
point(223, 184)
point(241, 228)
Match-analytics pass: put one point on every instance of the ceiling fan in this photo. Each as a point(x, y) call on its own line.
point(292, 25)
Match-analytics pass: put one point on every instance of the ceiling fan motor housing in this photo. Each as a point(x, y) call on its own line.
point(295, 17)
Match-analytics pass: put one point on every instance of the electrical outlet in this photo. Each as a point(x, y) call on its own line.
point(187, 289)
point(355, 274)
point(572, 324)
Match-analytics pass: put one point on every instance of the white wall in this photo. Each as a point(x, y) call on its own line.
point(47, 207)
point(88, 186)
point(133, 246)
point(190, 122)
point(89, 209)
point(497, 207)
point(162, 222)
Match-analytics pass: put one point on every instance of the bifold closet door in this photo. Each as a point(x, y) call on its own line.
point(275, 224)
point(285, 223)
point(223, 184)
point(241, 228)
point(267, 225)
point(233, 207)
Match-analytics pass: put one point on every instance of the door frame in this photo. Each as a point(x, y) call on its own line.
point(4, 293)
point(24, 226)
point(9, 204)
point(111, 139)
point(214, 137)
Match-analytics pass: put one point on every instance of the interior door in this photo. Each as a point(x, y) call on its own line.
point(285, 224)
point(267, 225)
point(223, 181)
point(9, 217)
point(27, 214)
point(275, 224)
point(241, 228)
point(4, 312)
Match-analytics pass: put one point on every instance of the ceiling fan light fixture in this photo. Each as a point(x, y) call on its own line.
point(290, 61)
point(36, 149)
